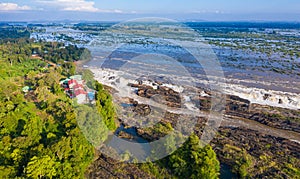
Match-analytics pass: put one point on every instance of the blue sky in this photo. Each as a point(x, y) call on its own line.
point(123, 9)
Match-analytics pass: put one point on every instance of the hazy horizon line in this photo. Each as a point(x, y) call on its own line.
point(118, 21)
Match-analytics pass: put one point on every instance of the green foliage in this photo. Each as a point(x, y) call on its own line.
point(91, 125)
point(39, 135)
point(69, 69)
point(156, 170)
point(41, 167)
point(190, 161)
point(88, 77)
point(12, 33)
point(242, 160)
point(292, 170)
point(105, 107)
point(163, 128)
point(58, 52)
point(194, 161)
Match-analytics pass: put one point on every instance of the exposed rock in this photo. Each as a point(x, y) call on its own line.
point(105, 167)
point(257, 145)
point(167, 96)
point(125, 135)
point(142, 109)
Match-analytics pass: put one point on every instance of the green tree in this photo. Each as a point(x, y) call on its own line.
point(39, 134)
point(105, 107)
point(90, 123)
point(40, 167)
point(194, 161)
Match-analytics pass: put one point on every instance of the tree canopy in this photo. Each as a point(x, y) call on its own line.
point(39, 134)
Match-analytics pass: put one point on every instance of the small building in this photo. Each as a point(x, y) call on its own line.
point(91, 96)
point(78, 86)
point(72, 83)
point(78, 78)
point(64, 83)
point(80, 95)
point(26, 89)
point(74, 88)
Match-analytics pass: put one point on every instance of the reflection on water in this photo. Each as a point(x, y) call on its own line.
point(133, 132)
point(226, 173)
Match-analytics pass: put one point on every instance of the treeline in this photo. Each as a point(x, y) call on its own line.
point(95, 27)
point(17, 45)
point(10, 33)
point(58, 53)
point(15, 55)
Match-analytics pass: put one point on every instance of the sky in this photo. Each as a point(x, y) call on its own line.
point(113, 10)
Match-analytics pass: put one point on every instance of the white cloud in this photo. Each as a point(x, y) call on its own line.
point(13, 7)
point(70, 5)
point(75, 5)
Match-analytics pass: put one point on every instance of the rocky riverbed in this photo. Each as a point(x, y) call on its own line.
point(265, 140)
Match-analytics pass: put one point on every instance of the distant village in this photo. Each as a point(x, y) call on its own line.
point(75, 87)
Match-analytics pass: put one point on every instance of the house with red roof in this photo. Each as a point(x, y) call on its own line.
point(74, 89)
point(72, 83)
point(81, 95)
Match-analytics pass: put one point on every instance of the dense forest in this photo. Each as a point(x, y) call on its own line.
point(8, 32)
point(40, 136)
point(38, 128)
